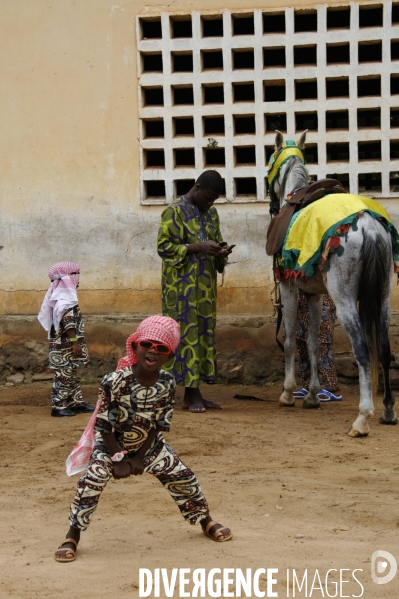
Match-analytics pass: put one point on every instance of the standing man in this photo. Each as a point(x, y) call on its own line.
point(192, 250)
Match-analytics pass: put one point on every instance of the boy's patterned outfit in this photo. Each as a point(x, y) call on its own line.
point(130, 411)
point(327, 369)
point(66, 391)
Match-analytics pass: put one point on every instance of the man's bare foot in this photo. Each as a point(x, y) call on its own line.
point(192, 397)
point(194, 402)
point(211, 405)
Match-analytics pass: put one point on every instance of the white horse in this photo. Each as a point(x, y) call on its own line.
point(359, 282)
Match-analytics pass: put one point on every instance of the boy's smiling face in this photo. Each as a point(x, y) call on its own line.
point(149, 359)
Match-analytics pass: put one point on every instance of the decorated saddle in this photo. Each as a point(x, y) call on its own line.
point(278, 226)
point(317, 230)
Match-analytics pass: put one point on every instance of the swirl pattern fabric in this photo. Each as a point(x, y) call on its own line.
point(127, 409)
point(161, 461)
point(66, 391)
point(60, 349)
point(189, 288)
point(130, 410)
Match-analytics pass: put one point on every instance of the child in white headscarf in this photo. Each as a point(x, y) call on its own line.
point(61, 317)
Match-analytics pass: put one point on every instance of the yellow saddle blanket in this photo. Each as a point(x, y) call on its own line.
point(312, 226)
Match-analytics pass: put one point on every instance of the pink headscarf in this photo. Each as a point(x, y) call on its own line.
point(61, 294)
point(157, 328)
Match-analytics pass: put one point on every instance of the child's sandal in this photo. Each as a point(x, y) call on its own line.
point(68, 551)
point(217, 535)
point(325, 395)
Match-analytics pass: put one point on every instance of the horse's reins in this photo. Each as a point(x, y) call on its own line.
point(277, 305)
point(277, 159)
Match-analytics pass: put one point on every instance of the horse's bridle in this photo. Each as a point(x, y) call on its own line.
point(277, 159)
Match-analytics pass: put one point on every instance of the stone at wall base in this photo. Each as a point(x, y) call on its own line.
point(16, 379)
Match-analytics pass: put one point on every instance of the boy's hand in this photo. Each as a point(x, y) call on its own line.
point(77, 349)
point(122, 469)
point(136, 465)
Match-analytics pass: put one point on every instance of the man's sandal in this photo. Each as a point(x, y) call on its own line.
point(217, 535)
point(68, 551)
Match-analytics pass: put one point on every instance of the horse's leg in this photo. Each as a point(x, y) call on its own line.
point(315, 308)
point(365, 271)
point(389, 415)
point(350, 322)
point(289, 300)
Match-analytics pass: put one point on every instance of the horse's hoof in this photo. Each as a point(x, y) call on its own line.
point(286, 400)
point(353, 432)
point(389, 418)
point(310, 405)
point(360, 428)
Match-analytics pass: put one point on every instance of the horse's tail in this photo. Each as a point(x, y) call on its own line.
point(373, 289)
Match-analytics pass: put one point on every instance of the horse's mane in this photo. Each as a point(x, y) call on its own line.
point(296, 169)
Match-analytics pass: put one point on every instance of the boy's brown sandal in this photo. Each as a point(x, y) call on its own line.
point(217, 535)
point(69, 552)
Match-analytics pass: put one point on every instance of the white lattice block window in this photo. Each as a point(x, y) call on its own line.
point(214, 88)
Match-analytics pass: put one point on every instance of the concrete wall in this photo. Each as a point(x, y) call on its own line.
point(69, 160)
point(69, 163)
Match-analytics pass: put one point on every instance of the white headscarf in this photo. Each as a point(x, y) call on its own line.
point(60, 296)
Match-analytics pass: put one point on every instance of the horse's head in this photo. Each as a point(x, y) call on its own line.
point(287, 172)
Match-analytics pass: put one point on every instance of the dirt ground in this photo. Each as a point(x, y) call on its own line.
point(295, 490)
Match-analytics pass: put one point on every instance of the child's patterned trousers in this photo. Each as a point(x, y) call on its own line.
point(326, 363)
point(160, 461)
point(66, 391)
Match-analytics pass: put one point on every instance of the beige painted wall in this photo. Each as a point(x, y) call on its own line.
point(69, 159)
